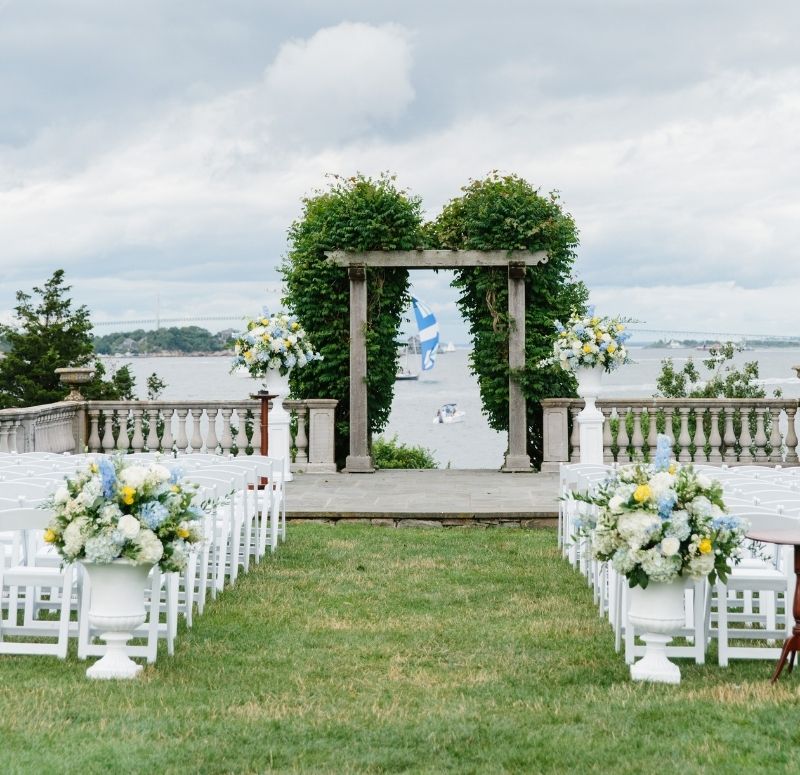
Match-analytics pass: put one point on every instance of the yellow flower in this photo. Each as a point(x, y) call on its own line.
point(672, 468)
point(93, 468)
point(287, 343)
point(182, 532)
point(620, 327)
point(705, 546)
point(587, 348)
point(295, 326)
point(595, 320)
point(127, 495)
point(642, 493)
point(49, 536)
point(611, 347)
point(175, 488)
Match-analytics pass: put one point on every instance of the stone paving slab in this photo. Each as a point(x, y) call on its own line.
point(433, 495)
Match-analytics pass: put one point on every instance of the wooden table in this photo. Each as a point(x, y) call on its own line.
point(788, 536)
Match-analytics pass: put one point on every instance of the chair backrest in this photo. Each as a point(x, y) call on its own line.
point(32, 492)
point(24, 518)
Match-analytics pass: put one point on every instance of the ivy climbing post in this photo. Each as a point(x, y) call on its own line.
point(517, 458)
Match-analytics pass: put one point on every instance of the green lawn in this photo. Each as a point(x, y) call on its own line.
point(362, 649)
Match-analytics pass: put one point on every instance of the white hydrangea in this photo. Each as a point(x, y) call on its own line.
point(701, 565)
point(129, 526)
point(679, 525)
point(658, 567)
point(158, 474)
point(700, 505)
point(103, 547)
point(91, 491)
point(661, 483)
point(73, 537)
point(150, 547)
point(704, 482)
point(638, 527)
point(615, 504)
point(61, 496)
point(133, 476)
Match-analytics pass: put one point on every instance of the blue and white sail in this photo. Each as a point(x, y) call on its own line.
point(428, 333)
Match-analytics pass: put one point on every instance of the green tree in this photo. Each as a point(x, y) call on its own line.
point(506, 212)
point(49, 333)
point(723, 379)
point(357, 213)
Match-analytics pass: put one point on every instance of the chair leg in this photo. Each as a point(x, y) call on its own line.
point(722, 624)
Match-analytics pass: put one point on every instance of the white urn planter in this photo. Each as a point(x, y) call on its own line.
point(116, 608)
point(656, 613)
point(590, 418)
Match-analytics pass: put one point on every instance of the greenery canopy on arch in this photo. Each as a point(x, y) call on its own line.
point(507, 213)
point(357, 213)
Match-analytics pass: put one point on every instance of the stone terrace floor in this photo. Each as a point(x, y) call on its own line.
point(441, 497)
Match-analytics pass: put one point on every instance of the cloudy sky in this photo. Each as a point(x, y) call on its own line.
point(160, 149)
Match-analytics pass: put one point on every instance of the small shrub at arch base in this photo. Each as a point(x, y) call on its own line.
point(273, 342)
point(590, 341)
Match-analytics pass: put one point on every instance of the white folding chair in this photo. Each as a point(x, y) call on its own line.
point(32, 583)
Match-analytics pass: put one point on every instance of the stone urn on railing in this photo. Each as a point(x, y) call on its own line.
point(270, 348)
point(73, 377)
point(588, 346)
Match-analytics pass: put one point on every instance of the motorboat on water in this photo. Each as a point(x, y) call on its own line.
point(448, 414)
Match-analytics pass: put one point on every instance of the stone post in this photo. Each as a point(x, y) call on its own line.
point(517, 459)
point(359, 460)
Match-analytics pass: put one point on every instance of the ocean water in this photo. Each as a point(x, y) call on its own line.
point(468, 444)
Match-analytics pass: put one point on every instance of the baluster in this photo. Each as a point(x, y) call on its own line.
point(13, 437)
point(108, 430)
point(623, 439)
point(745, 439)
point(227, 436)
point(791, 436)
point(575, 436)
point(211, 437)
point(123, 442)
point(301, 440)
point(652, 432)
point(729, 439)
point(182, 441)
point(608, 440)
point(94, 430)
point(699, 435)
point(253, 438)
point(760, 440)
point(776, 454)
point(137, 442)
point(152, 430)
point(669, 430)
point(683, 437)
point(197, 439)
point(168, 440)
point(637, 440)
point(4, 429)
point(714, 439)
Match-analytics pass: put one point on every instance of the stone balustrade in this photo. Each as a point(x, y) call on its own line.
point(178, 426)
point(746, 431)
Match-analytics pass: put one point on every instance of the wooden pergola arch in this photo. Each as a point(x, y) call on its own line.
point(357, 263)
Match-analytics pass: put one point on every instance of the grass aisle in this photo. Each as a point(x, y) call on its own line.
point(361, 649)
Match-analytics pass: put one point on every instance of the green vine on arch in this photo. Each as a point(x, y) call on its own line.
point(507, 213)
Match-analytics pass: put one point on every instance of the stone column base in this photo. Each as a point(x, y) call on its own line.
point(517, 464)
point(358, 465)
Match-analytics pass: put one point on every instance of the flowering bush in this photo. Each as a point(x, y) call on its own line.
point(274, 342)
point(590, 341)
point(661, 521)
point(112, 509)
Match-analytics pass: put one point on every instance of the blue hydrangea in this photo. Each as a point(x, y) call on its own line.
point(665, 505)
point(663, 453)
point(108, 477)
point(153, 514)
point(175, 475)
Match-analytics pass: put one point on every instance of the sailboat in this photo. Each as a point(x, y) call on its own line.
point(425, 343)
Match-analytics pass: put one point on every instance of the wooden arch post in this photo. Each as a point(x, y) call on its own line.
point(358, 263)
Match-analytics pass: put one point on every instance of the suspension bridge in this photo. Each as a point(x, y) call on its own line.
point(641, 334)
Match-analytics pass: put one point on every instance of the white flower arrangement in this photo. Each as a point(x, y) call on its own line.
point(590, 340)
point(661, 521)
point(273, 342)
point(112, 509)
